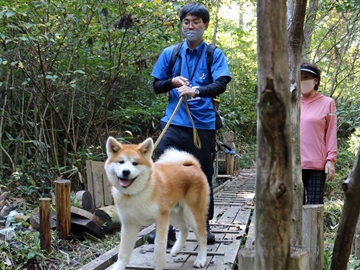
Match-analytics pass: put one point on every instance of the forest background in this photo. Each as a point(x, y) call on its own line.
point(74, 72)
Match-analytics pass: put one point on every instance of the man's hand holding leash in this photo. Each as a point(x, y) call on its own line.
point(179, 81)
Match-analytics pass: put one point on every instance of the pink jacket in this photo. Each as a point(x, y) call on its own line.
point(318, 131)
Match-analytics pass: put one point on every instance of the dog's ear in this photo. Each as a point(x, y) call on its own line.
point(112, 146)
point(147, 147)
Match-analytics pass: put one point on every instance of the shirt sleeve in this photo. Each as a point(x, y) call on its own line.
point(219, 67)
point(160, 70)
point(331, 133)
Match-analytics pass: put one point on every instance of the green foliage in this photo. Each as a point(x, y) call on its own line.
point(354, 263)
point(327, 259)
point(23, 251)
point(31, 181)
point(24, 248)
point(354, 142)
point(332, 214)
point(344, 165)
point(73, 63)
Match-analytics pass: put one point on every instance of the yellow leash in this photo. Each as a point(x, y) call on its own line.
point(197, 141)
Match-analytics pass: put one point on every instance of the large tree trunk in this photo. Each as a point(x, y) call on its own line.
point(274, 165)
point(296, 16)
point(349, 217)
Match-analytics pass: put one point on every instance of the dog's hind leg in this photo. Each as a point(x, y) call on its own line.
point(180, 241)
point(199, 228)
point(129, 233)
point(200, 233)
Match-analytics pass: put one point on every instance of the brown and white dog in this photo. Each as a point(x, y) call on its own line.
point(173, 190)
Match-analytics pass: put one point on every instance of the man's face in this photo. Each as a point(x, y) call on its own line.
point(191, 22)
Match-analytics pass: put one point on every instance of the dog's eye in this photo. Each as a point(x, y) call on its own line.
point(121, 162)
point(135, 163)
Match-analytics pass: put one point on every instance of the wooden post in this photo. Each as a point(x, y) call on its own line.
point(357, 240)
point(313, 234)
point(63, 208)
point(45, 228)
point(299, 259)
point(229, 159)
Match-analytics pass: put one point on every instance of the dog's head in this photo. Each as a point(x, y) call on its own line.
point(129, 166)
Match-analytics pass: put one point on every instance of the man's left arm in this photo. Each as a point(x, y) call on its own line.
point(214, 89)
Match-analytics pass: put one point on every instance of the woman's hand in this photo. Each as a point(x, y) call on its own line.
point(330, 170)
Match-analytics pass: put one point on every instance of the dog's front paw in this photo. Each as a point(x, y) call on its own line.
point(175, 250)
point(200, 263)
point(118, 266)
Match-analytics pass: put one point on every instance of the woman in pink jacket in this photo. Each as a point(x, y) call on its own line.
point(318, 135)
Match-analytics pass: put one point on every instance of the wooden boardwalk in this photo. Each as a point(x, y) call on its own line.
point(234, 204)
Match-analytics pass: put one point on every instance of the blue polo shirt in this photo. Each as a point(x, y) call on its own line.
point(193, 67)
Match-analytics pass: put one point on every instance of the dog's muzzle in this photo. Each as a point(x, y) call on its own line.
point(124, 180)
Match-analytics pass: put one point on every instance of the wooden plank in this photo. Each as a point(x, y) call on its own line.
point(230, 249)
point(250, 240)
point(109, 257)
point(211, 249)
point(86, 214)
point(107, 191)
point(97, 202)
point(89, 178)
point(98, 167)
point(232, 241)
point(98, 184)
point(80, 225)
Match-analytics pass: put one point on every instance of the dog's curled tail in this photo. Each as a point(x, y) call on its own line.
point(173, 155)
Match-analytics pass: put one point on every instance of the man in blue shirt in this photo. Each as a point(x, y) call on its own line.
point(190, 79)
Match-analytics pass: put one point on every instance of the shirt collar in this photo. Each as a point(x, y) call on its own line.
point(197, 49)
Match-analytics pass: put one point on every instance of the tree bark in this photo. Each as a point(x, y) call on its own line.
point(216, 25)
point(309, 28)
point(274, 165)
point(348, 220)
point(296, 16)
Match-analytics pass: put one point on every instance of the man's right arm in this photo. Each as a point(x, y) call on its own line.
point(162, 86)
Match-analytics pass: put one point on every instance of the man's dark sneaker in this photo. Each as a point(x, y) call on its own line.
point(171, 237)
point(210, 235)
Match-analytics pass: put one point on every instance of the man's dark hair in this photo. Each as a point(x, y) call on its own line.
point(315, 71)
point(197, 10)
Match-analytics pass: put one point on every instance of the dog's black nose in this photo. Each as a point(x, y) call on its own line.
point(126, 173)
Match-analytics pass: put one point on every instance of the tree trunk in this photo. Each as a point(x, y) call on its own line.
point(348, 220)
point(296, 16)
point(216, 21)
point(309, 28)
point(274, 166)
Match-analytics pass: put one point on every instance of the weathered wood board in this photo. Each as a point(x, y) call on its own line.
point(98, 184)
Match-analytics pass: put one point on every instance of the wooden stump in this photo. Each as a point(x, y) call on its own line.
point(45, 227)
point(63, 206)
point(110, 216)
point(299, 259)
point(313, 234)
point(85, 200)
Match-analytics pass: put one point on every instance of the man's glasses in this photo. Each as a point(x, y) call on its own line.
point(195, 23)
